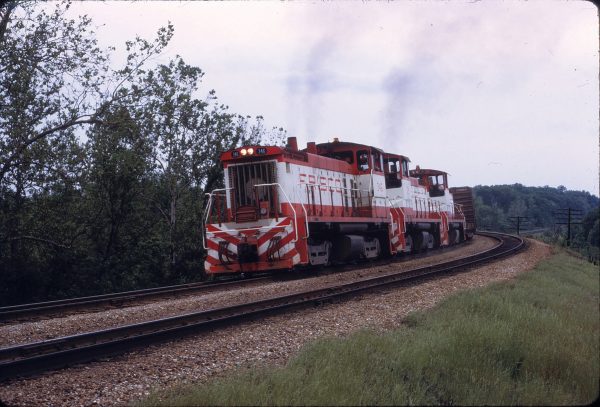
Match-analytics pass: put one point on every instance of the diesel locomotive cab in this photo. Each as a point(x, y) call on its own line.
point(395, 168)
point(436, 182)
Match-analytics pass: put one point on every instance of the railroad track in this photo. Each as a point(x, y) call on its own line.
point(42, 310)
point(34, 358)
point(51, 309)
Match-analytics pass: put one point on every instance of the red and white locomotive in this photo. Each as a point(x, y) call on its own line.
point(329, 203)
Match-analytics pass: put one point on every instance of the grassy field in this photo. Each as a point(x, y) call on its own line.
point(533, 340)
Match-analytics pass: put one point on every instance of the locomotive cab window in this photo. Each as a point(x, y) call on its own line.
point(436, 185)
point(393, 174)
point(362, 159)
point(405, 168)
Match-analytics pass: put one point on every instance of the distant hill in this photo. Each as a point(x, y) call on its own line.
point(494, 205)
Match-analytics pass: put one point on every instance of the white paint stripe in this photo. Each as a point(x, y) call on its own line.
point(234, 231)
point(215, 254)
point(285, 250)
point(263, 247)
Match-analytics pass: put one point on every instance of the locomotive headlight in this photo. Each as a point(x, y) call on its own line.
point(250, 151)
point(243, 151)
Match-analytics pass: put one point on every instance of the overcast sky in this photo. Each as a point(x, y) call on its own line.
point(493, 92)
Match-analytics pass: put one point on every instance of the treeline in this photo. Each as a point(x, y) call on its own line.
point(103, 170)
point(497, 206)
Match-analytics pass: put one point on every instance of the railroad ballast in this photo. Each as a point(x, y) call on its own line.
point(330, 203)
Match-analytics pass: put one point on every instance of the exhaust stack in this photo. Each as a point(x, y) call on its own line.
point(292, 143)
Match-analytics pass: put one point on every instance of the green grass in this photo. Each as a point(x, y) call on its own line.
point(532, 340)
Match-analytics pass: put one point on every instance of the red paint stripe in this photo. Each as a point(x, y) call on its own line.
point(227, 237)
point(212, 228)
point(212, 260)
point(272, 232)
point(288, 238)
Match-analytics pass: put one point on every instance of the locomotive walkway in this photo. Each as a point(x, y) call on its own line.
point(47, 355)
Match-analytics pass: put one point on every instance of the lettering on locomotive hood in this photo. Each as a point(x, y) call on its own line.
point(324, 183)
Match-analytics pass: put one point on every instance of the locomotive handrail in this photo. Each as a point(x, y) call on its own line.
point(305, 219)
point(291, 206)
point(459, 208)
point(297, 195)
point(209, 206)
point(217, 232)
point(207, 212)
point(332, 189)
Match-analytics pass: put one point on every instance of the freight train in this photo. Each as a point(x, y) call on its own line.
point(330, 203)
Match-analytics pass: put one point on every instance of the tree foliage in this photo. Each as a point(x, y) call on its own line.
point(495, 205)
point(102, 170)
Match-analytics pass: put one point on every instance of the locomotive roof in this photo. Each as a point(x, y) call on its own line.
point(335, 144)
point(339, 145)
point(426, 171)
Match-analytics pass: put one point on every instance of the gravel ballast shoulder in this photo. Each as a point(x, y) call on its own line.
point(124, 379)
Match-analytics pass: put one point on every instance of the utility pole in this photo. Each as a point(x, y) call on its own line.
point(518, 220)
point(568, 216)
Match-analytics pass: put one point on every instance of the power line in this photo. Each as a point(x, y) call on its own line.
point(518, 221)
point(568, 216)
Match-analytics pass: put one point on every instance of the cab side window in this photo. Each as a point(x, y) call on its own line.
point(393, 178)
point(436, 186)
point(362, 159)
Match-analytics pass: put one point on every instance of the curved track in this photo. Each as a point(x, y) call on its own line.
point(37, 357)
point(49, 309)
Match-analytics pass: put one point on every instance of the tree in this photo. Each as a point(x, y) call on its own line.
point(53, 79)
point(188, 136)
point(118, 161)
point(50, 78)
point(122, 209)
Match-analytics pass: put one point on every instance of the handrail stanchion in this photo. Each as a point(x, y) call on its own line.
point(207, 212)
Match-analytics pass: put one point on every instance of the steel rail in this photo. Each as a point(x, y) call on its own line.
point(45, 309)
point(49, 309)
point(33, 358)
